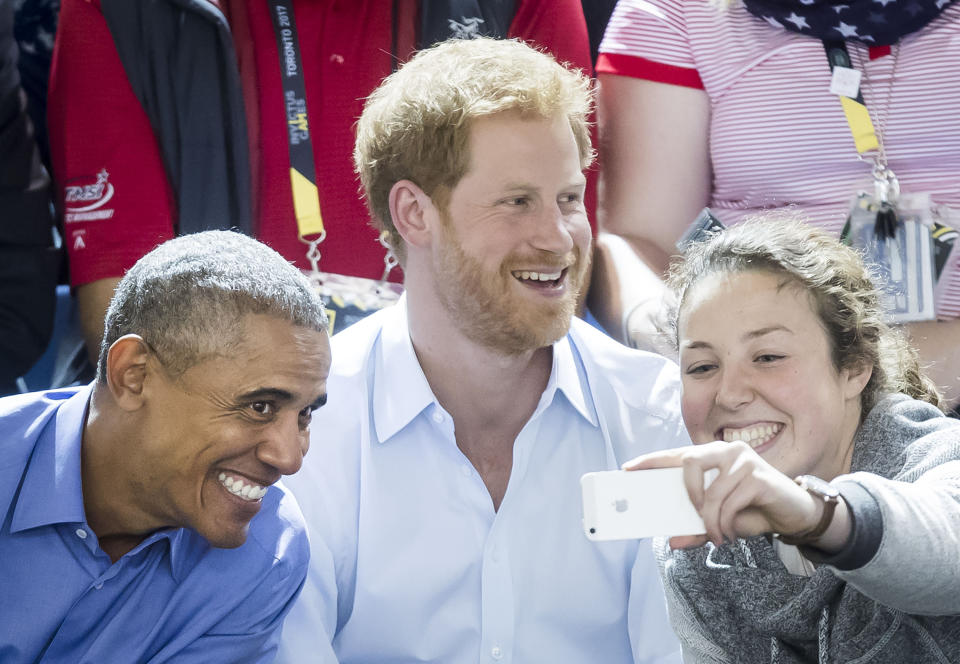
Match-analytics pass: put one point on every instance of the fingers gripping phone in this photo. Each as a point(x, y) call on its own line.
point(620, 504)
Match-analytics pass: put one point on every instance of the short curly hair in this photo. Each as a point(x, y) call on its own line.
point(841, 289)
point(416, 125)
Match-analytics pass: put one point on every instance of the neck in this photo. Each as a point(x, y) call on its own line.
point(481, 388)
point(107, 505)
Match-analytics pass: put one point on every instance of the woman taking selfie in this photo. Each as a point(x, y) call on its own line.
point(833, 526)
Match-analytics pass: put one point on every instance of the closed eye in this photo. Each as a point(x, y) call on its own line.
point(700, 369)
point(767, 358)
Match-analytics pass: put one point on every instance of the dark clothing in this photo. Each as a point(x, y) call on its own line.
point(28, 264)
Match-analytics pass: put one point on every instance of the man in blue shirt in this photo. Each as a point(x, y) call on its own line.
point(444, 514)
point(140, 516)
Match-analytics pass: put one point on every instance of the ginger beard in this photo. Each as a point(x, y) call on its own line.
point(496, 310)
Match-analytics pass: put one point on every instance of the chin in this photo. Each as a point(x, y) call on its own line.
point(227, 540)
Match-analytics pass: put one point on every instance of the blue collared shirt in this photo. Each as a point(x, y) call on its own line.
point(410, 562)
point(173, 597)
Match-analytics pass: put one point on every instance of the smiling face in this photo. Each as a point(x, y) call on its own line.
point(216, 437)
point(756, 366)
point(514, 246)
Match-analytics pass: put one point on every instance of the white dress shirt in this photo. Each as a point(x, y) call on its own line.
point(410, 562)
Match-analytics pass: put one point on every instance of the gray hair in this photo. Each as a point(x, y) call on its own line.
point(187, 298)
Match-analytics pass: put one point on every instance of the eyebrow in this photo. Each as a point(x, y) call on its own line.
point(749, 336)
point(274, 393)
point(515, 185)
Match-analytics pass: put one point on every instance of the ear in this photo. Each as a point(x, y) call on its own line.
point(126, 371)
point(856, 379)
point(413, 212)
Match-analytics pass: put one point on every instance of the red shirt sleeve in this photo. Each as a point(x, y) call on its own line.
point(111, 185)
point(559, 27)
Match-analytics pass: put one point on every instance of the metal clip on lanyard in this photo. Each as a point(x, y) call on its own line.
point(303, 176)
point(886, 185)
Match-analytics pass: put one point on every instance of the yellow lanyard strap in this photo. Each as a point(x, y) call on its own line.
point(854, 108)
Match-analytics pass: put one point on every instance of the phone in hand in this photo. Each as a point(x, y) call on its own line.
point(622, 504)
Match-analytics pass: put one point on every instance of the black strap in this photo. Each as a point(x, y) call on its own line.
point(303, 173)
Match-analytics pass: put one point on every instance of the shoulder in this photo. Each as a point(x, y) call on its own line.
point(912, 434)
point(638, 378)
point(351, 348)
point(24, 416)
point(278, 534)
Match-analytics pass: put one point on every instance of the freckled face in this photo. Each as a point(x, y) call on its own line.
point(229, 427)
point(756, 366)
point(514, 249)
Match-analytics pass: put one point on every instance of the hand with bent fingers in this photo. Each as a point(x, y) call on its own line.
point(748, 497)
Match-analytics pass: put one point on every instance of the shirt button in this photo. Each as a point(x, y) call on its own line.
point(438, 417)
point(99, 586)
point(496, 653)
point(465, 470)
point(81, 533)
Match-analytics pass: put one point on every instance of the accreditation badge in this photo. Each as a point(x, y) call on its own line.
point(897, 242)
point(350, 299)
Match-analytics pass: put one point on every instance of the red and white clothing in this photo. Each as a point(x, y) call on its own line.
point(102, 143)
point(778, 136)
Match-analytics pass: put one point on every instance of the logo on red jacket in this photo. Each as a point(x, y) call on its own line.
point(85, 198)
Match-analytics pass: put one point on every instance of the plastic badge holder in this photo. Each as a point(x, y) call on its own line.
point(904, 263)
point(702, 228)
point(350, 299)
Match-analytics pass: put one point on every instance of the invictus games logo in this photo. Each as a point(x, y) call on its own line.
point(467, 28)
point(86, 201)
point(297, 118)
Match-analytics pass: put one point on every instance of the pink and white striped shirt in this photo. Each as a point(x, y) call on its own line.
point(778, 136)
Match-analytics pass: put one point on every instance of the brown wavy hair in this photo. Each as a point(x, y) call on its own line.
point(840, 287)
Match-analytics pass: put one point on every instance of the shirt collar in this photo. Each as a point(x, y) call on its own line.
point(401, 391)
point(52, 491)
point(569, 378)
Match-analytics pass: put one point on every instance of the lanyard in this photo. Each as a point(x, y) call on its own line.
point(303, 177)
point(854, 108)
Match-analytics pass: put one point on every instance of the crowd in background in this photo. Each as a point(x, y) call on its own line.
point(695, 211)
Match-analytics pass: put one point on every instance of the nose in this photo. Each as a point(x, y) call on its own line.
point(552, 231)
point(734, 389)
point(284, 445)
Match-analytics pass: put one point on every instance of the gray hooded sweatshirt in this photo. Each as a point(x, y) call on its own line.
point(892, 595)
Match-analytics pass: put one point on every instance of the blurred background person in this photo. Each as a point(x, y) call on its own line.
point(28, 261)
point(731, 106)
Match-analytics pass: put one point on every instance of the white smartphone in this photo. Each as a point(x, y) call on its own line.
point(622, 504)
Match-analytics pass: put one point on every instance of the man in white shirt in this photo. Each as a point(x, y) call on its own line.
point(443, 494)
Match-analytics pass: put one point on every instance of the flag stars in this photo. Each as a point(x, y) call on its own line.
point(913, 9)
point(883, 2)
point(846, 30)
point(840, 8)
point(798, 21)
point(772, 21)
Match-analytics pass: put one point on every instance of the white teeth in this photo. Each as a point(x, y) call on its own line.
point(753, 436)
point(238, 487)
point(538, 276)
